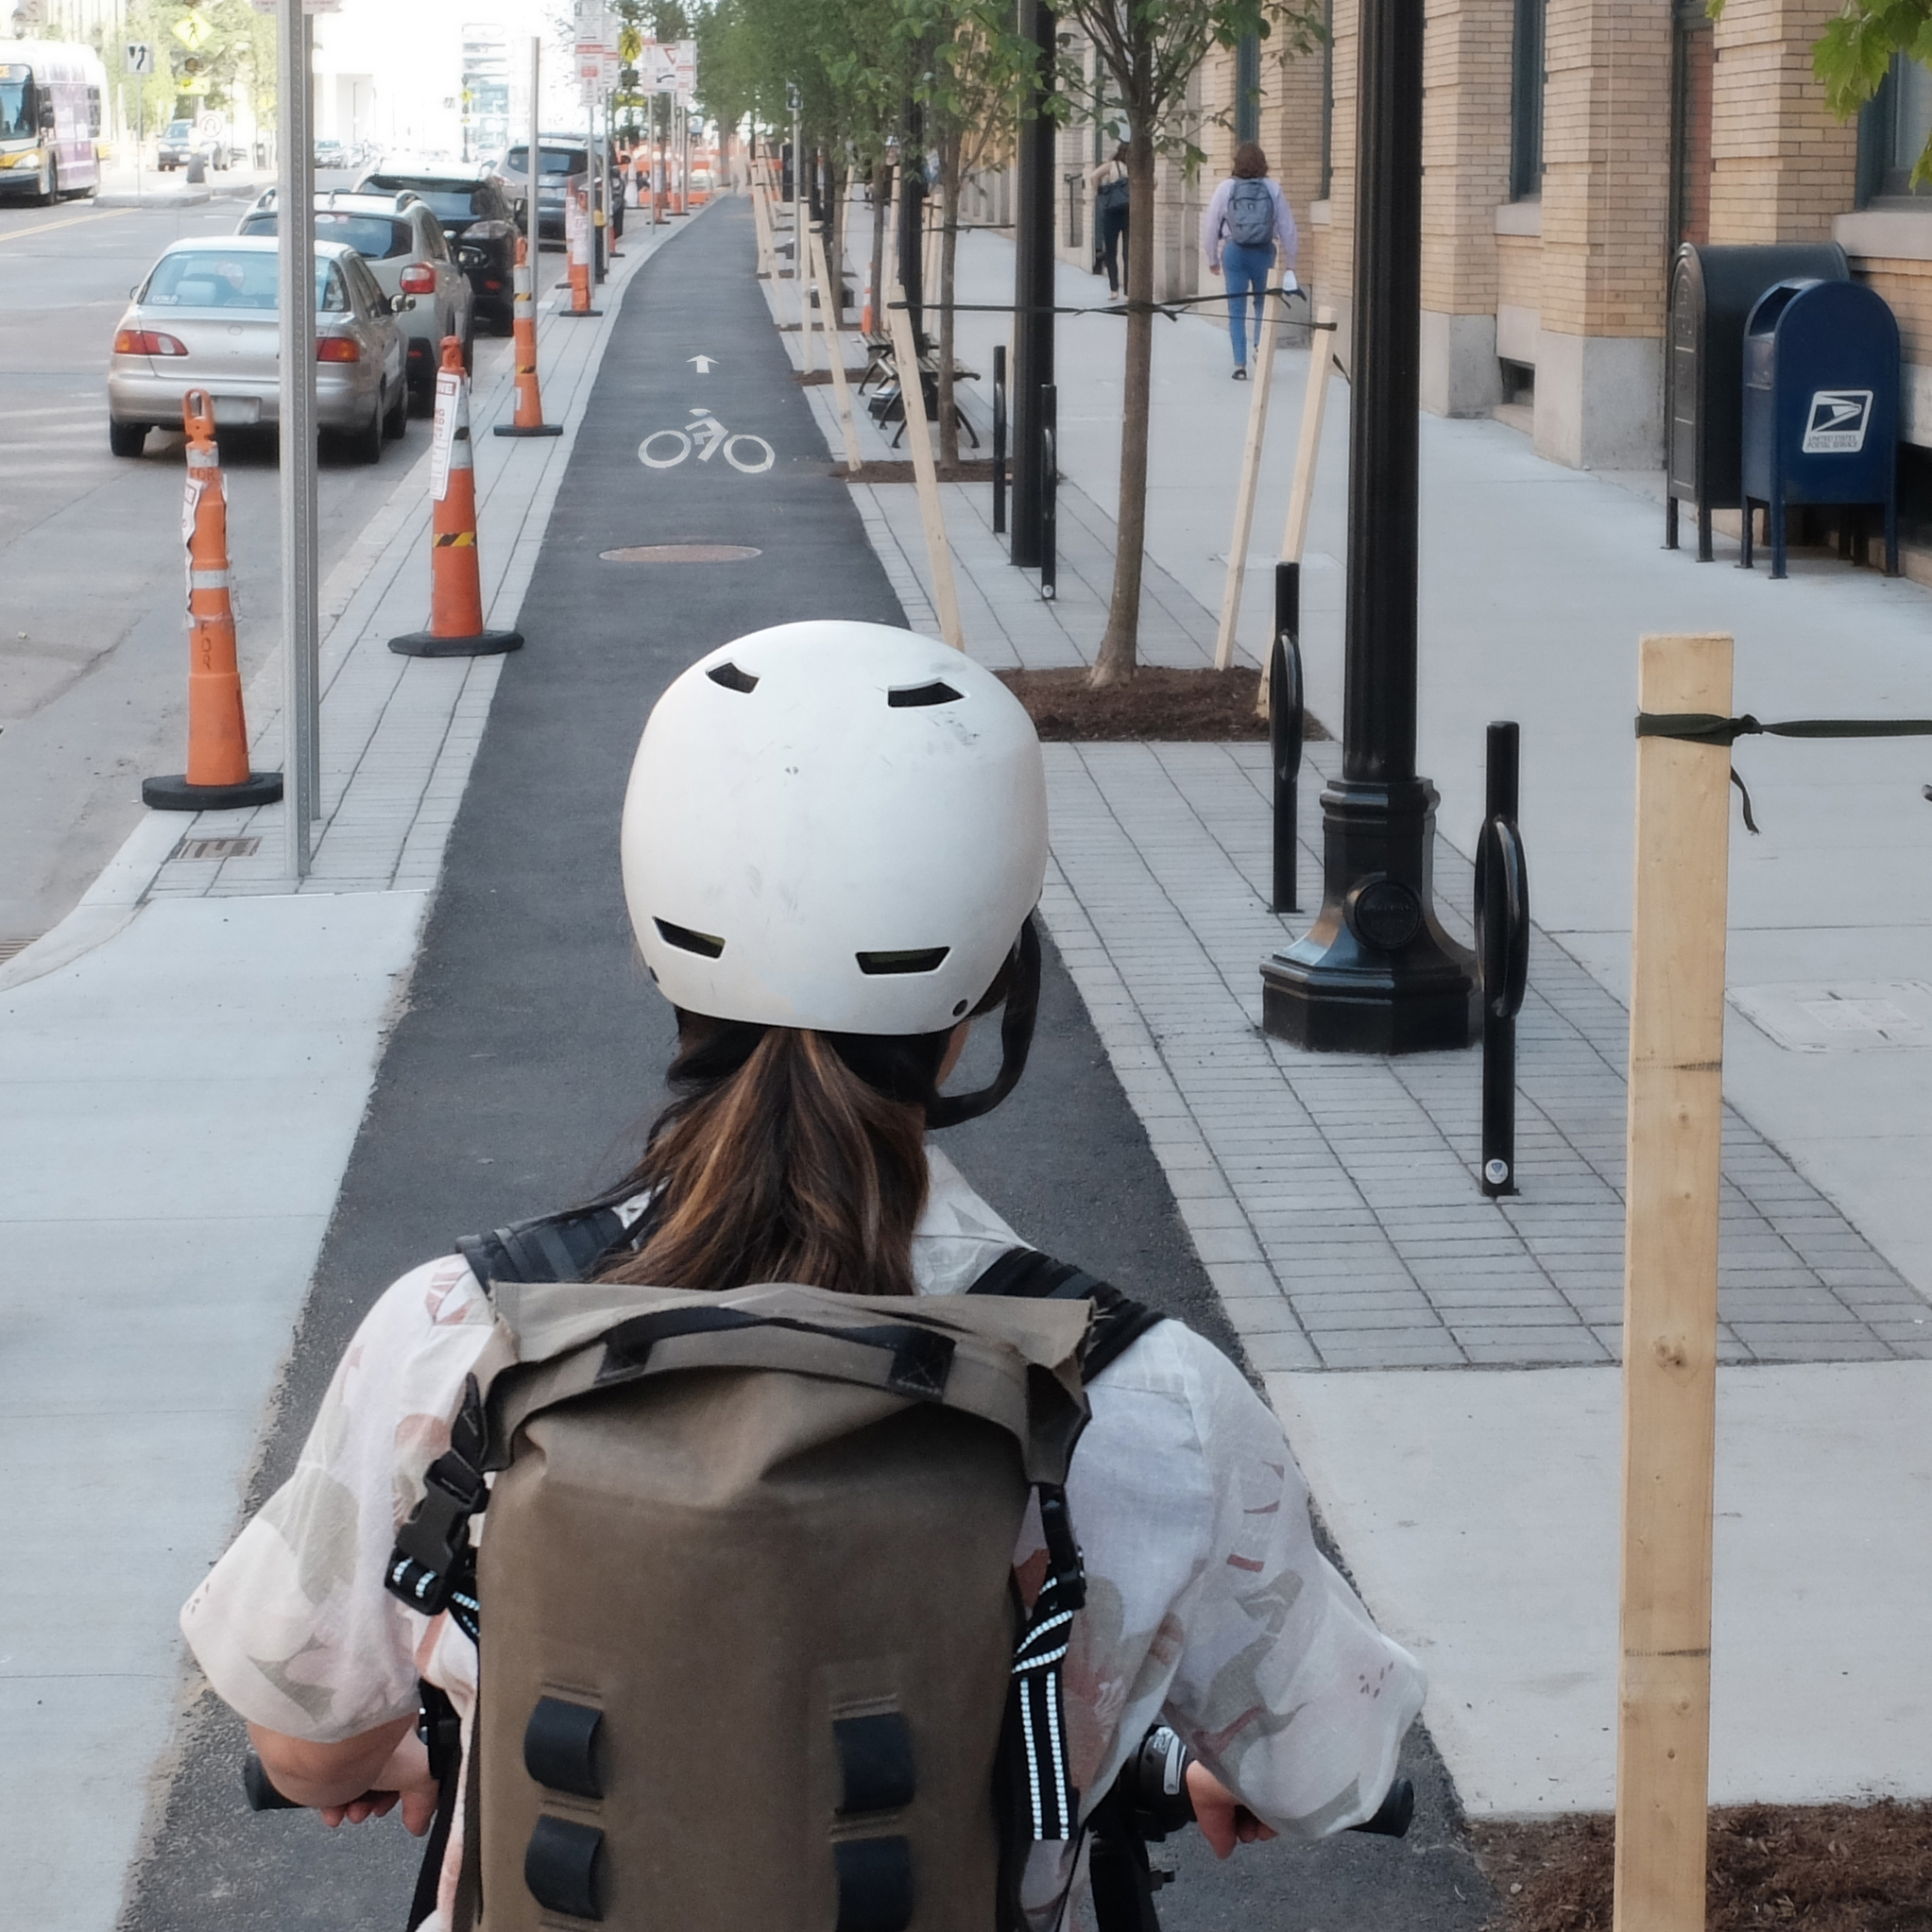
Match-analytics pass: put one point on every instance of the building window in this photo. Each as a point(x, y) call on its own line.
point(1526, 103)
point(1891, 133)
point(1248, 88)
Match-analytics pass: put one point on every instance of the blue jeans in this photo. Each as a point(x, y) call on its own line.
point(1247, 271)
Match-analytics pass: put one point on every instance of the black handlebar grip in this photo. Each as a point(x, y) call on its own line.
point(1397, 1809)
point(260, 1789)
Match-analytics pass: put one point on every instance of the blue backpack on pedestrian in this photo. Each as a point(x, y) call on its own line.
point(1250, 213)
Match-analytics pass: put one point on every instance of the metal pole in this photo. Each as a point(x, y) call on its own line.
point(534, 240)
point(911, 237)
point(1285, 722)
point(1377, 973)
point(295, 271)
point(1033, 287)
point(998, 440)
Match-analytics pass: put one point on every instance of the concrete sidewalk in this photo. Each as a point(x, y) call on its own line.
point(1334, 1201)
point(183, 1065)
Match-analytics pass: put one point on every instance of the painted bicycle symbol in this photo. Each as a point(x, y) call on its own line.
point(665, 449)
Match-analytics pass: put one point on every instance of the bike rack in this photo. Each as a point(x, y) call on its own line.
point(1286, 715)
point(1502, 954)
point(1049, 490)
point(999, 439)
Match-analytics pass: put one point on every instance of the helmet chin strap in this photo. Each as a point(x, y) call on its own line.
point(1022, 1006)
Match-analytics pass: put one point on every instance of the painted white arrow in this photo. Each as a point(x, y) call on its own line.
point(702, 362)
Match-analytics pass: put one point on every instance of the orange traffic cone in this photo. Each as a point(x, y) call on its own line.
point(577, 239)
point(456, 583)
point(529, 418)
point(217, 777)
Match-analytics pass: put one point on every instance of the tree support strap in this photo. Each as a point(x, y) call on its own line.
point(1708, 727)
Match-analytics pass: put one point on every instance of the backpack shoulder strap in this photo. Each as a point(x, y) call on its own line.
point(1119, 1321)
point(571, 1247)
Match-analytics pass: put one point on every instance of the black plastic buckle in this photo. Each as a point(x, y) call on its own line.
point(1063, 1553)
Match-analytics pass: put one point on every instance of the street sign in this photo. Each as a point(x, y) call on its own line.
point(193, 31)
point(140, 57)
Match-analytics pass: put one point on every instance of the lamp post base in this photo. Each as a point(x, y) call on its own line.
point(1376, 973)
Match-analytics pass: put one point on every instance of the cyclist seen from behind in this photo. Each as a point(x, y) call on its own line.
point(841, 1549)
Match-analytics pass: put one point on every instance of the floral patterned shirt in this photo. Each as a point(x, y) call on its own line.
point(1208, 1602)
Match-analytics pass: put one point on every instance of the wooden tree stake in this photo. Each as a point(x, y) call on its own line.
point(1670, 1293)
point(919, 441)
point(1251, 470)
point(829, 305)
point(1314, 405)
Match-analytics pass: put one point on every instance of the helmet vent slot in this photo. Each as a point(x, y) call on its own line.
point(732, 678)
point(913, 696)
point(703, 944)
point(928, 959)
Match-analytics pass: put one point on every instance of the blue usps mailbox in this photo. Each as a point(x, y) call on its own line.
point(1821, 407)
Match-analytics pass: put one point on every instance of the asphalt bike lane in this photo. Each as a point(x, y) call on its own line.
point(529, 1062)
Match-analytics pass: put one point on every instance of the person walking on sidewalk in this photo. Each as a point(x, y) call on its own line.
point(1111, 192)
point(1247, 219)
point(833, 844)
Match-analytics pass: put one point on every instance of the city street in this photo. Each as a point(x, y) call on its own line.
point(93, 652)
point(1629, 1455)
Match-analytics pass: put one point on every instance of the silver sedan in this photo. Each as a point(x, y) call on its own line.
point(206, 319)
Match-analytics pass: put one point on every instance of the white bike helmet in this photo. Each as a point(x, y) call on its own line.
point(840, 826)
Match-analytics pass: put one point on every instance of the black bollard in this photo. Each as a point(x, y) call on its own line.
point(1502, 953)
point(1285, 712)
point(999, 439)
point(1049, 490)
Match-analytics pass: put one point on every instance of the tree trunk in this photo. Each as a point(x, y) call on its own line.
point(874, 291)
point(1116, 661)
point(835, 240)
point(949, 256)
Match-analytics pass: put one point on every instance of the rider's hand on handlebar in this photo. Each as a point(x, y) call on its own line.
point(1225, 1821)
point(405, 1776)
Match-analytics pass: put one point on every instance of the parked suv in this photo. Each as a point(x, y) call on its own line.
point(562, 160)
point(476, 217)
point(404, 246)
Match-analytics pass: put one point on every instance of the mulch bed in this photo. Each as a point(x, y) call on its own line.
point(1198, 706)
point(891, 470)
point(1827, 1867)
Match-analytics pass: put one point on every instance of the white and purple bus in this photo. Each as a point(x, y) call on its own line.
point(51, 97)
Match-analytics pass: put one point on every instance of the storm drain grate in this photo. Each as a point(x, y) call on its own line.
point(218, 848)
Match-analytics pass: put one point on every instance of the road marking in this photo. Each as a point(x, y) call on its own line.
point(41, 228)
point(707, 435)
point(705, 363)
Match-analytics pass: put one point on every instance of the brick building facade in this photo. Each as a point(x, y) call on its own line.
point(1568, 146)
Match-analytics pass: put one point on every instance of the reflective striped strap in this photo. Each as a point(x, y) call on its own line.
point(1039, 1700)
point(208, 580)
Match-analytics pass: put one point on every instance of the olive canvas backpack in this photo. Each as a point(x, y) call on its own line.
point(751, 1654)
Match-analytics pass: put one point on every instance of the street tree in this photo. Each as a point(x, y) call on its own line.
point(973, 75)
point(1151, 50)
point(1855, 51)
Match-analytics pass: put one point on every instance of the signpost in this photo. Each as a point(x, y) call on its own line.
point(140, 64)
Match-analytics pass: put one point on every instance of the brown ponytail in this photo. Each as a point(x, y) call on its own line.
point(778, 1162)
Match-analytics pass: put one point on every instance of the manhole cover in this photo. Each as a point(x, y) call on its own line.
point(682, 552)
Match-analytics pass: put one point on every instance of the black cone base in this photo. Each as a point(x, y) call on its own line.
point(485, 644)
point(575, 315)
point(1376, 973)
point(175, 794)
point(533, 429)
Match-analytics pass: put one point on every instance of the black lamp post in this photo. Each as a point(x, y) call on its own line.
point(912, 217)
point(1033, 290)
point(1377, 973)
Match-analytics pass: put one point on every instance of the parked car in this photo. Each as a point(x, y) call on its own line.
point(183, 141)
point(562, 161)
point(476, 217)
point(207, 318)
point(332, 154)
point(408, 251)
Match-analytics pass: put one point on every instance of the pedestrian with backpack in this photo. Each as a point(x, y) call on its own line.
point(1111, 194)
point(791, 1546)
point(1246, 220)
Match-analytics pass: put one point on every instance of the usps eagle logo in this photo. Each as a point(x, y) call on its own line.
point(1835, 424)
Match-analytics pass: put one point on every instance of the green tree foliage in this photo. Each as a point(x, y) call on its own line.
point(238, 53)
